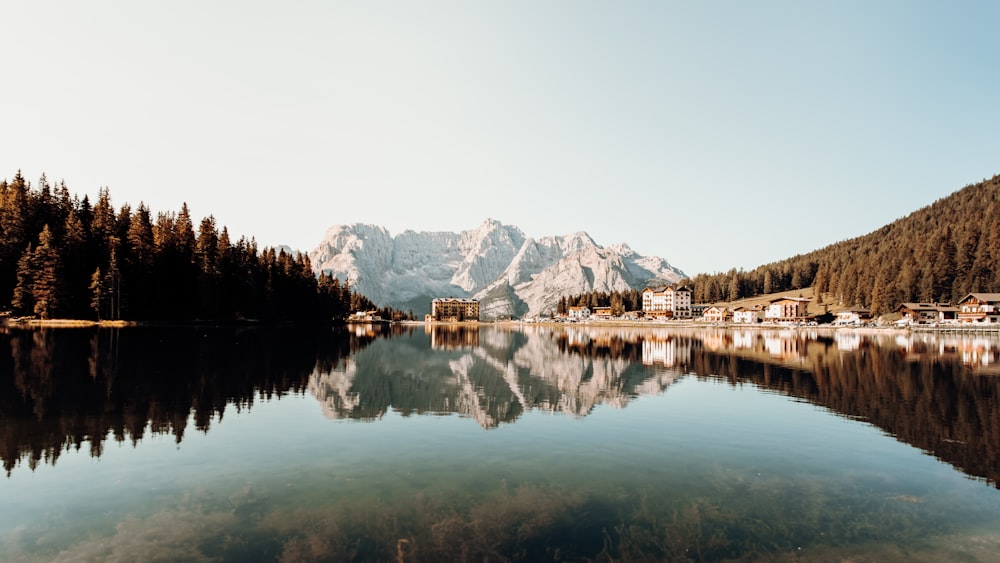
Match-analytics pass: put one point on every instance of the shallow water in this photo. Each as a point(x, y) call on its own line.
point(215, 444)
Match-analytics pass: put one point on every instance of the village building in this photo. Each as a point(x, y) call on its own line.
point(927, 313)
point(578, 313)
point(452, 309)
point(716, 314)
point(746, 315)
point(365, 317)
point(787, 309)
point(667, 301)
point(602, 312)
point(979, 308)
point(853, 316)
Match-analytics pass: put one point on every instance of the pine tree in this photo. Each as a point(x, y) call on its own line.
point(848, 286)
point(617, 304)
point(880, 293)
point(97, 293)
point(184, 228)
point(946, 268)
point(112, 284)
point(798, 280)
point(76, 263)
point(48, 282)
point(102, 225)
point(24, 296)
point(207, 246)
point(735, 291)
point(138, 262)
point(14, 235)
point(209, 274)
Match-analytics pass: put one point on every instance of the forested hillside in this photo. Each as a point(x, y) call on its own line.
point(939, 253)
point(63, 257)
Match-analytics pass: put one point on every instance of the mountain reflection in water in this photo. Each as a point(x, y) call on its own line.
point(61, 388)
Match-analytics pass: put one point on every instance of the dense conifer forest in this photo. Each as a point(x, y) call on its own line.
point(939, 253)
point(62, 256)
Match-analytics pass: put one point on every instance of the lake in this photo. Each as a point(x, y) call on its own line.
point(533, 443)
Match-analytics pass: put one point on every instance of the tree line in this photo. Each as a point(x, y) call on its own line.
point(939, 253)
point(62, 256)
point(620, 302)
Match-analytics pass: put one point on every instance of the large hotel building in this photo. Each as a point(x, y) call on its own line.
point(452, 309)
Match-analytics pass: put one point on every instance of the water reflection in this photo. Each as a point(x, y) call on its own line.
point(62, 389)
point(931, 391)
point(491, 376)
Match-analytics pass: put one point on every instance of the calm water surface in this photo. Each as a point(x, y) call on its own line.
point(541, 444)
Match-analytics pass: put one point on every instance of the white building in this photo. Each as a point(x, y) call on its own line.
point(668, 301)
point(853, 316)
point(979, 308)
point(746, 316)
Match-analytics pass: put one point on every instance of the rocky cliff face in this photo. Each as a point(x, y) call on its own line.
point(511, 274)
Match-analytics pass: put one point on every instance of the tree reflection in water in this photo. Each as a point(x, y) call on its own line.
point(61, 388)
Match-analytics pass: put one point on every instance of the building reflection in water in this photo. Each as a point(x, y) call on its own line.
point(450, 337)
point(979, 352)
point(666, 351)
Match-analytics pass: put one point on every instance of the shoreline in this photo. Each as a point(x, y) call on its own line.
point(81, 323)
point(64, 323)
point(887, 329)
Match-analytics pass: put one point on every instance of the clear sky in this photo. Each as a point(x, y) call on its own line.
point(712, 134)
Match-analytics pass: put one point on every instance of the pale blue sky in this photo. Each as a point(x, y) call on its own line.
point(713, 134)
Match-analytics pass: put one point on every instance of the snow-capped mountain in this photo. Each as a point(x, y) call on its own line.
point(511, 274)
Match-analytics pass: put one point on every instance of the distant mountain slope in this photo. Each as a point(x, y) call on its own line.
point(940, 252)
point(510, 273)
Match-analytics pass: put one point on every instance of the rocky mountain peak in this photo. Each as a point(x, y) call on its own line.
point(510, 273)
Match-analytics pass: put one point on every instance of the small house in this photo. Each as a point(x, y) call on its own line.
point(979, 308)
point(745, 315)
point(717, 314)
point(927, 313)
point(853, 316)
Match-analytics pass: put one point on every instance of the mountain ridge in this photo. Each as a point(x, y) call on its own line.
point(512, 274)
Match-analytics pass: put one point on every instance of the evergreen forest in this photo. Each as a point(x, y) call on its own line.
point(62, 256)
point(940, 253)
